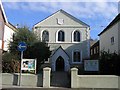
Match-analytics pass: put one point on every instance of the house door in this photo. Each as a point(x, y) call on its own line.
point(60, 64)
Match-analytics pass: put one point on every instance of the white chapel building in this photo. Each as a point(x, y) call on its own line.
point(68, 39)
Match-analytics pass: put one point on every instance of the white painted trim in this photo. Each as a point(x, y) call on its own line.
point(73, 35)
point(88, 33)
point(56, 26)
point(0, 44)
point(42, 33)
point(80, 56)
point(3, 11)
point(57, 36)
point(64, 42)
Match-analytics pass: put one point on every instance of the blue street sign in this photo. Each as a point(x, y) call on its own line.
point(22, 46)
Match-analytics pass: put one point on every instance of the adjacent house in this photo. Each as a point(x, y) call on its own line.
point(6, 30)
point(110, 36)
point(68, 39)
point(9, 30)
point(3, 20)
point(94, 50)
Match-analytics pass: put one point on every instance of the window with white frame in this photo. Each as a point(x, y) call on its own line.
point(61, 36)
point(45, 36)
point(76, 36)
point(76, 56)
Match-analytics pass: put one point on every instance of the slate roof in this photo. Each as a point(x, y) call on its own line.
point(116, 19)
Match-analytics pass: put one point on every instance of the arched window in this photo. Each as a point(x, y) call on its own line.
point(45, 36)
point(76, 56)
point(76, 36)
point(61, 36)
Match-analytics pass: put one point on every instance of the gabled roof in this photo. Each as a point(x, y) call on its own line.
point(57, 50)
point(11, 26)
point(74, 18)
point(116, 19)
point(5, 18)
point(3, 12)
point(95, 44)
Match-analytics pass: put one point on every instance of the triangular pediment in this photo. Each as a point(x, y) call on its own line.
point(61, 18)
point(59, 51)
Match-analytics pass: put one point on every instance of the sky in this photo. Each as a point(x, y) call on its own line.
point(96, 14)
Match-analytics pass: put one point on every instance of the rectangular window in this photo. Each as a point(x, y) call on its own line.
point(94, 50)
point(91, 52)
point(112, 40)
point(97, 49)
point(76, 56)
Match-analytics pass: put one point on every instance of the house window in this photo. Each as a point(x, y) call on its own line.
point(76, 56)
point(77, 36)
point(112, 40)
point(61, 36)
point(91, 52)
point(97, 50)
point(45, 36)
point(94, 50)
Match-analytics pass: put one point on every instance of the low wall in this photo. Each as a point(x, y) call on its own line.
point(7, 79)
point(26, 79)
point(98, 81)
point(119, 82)
point(93, 81)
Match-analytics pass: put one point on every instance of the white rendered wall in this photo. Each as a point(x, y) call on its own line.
point(93, 81)
point(105, 39)
point(53, 32)
point(69, 26)
point(8, 34)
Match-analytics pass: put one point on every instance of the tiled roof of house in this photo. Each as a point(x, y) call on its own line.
point(117, 18)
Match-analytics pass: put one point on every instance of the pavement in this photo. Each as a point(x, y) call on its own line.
point(11, 87)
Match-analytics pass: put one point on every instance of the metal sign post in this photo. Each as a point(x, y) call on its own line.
point(20, 67)
point(21, 47)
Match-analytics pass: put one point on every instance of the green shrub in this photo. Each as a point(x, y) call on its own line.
point(10, 64)
point(109, 63)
